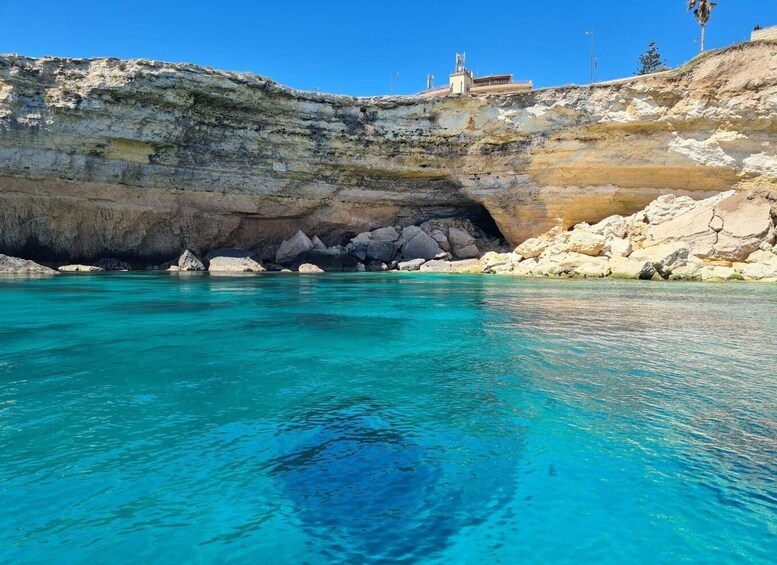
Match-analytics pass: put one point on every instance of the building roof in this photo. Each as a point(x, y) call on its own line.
point(493, 78)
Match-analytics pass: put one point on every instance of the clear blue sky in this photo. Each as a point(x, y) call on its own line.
point(352, 47)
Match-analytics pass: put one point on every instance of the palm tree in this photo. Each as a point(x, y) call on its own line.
point(702, 9)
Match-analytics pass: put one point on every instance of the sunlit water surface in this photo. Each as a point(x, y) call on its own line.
point(386, 418)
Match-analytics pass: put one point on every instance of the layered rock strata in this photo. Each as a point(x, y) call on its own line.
point(140, 160)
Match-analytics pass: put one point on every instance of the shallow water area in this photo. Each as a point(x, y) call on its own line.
point(370, 417)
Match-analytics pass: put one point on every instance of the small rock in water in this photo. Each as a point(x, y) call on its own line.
point(188, 261)
point(79, 269)
point(308, 268)
point(227, 260)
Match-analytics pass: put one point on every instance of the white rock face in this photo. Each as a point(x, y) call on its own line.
point(412, 265)
point(726, 237)
point(586, 243)
point(626, 268)
point(79, 269)
point(307, 268)
point(15, 266)
point(233, 261)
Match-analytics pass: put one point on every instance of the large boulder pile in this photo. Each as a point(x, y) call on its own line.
point(446, 241)
point(730, 236)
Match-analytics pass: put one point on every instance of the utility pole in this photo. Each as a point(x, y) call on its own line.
point(393, 76)
point(594, 60)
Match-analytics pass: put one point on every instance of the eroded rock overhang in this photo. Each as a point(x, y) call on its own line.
point(144, 158)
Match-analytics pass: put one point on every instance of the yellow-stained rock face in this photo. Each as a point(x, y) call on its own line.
point(138, 158)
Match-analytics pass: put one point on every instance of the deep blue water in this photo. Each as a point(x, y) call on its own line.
point(368, 418)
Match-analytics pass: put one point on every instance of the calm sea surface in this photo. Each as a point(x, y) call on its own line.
point(368, 418)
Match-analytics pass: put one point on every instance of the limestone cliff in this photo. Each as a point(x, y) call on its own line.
point(143, 159)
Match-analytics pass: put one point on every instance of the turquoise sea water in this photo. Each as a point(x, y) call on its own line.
point(368, 418)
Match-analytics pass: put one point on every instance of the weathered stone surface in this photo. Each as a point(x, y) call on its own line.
point(533, 247)
point(318, 245)
point(330, 260)
point(420, 246)
point(380, 250)
point(746, 222)
point(626, 268)
point(617, 247)
point(412, 265)
point(614, 226)
point(763, 257)
point(688, 272)
point(441, 239)
point(526, 268)
point(493, 261)
point(593, 268)
point(79, 269)
point(188, 261)
point(227, 260)
point(376, 266)
point(291, 248)
point(667, 207)
point(717, 273)
point(112, 264)
point(385, 234)
point(436, 266)
point(757, 271)
point(665, 257)
point(310, 269)
point(142, 159)
point(466, 267)
point(15, 266)
point(459, 239)
point(468, 252)
point(586, 243)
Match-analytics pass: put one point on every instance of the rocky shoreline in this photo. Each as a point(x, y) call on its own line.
point(730, 236)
